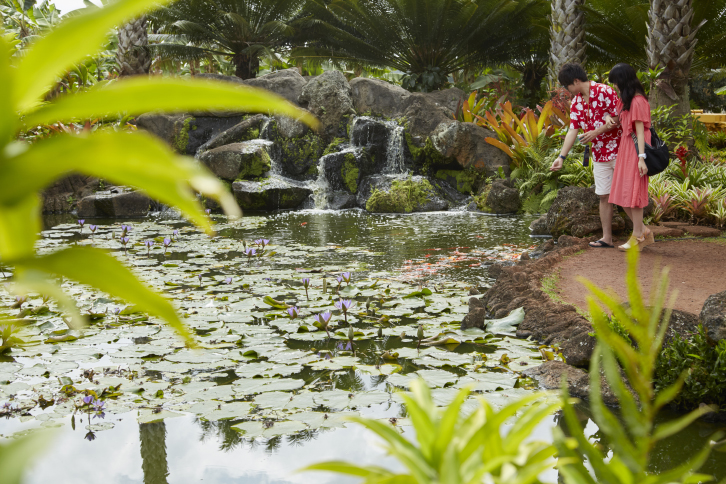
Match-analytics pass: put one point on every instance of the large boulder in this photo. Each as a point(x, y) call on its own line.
point(299, 148)
point(287, 83)
point(399, 194)
point(539, 226)
point(270, 194)
point(119, 202)
point(247, 129)
point(63, 195)
point(378, 98)
point(328, 96)
point(346, 169)
point(713, 316)
point(239, 161)
point(186, 133)
point(576, 211)
point(423, 116)
point(502, 197)
point(373, 135)
point(448, 99)
point(466, 143)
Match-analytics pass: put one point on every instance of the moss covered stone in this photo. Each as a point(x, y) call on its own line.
point(465, 181)
point(404, 196)
point(481, 199)
point(426, 156)
point(350, 172)
point(181, 138)
point(334, 145)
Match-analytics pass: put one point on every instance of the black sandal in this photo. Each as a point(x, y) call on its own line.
point(600, 245)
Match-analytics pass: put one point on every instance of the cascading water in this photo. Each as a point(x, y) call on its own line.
point(395, 151)
point(321, 187)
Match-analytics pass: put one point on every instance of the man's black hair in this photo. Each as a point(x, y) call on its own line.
point(570, 72)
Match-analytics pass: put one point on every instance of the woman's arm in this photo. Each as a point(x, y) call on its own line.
point(640, 133)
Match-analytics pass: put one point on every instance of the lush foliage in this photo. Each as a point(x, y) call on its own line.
point(704, 364)
point(125, 158)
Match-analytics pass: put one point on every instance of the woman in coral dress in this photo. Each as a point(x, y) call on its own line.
point(630, 179)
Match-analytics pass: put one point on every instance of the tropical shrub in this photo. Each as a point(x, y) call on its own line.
point(125, 158)
point(427, 40)
point(704, 366)
point(241, 30)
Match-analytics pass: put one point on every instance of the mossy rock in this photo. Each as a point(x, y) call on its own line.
point(465, 181)
point(425, 156)
point(345, 170)
point(299, 155)
point(239, 161)
point(400, 194)
point(270, 194)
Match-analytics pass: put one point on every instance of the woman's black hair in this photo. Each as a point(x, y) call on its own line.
point(624, 76)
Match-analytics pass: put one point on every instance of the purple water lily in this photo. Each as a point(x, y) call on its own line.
point(346, 277)
point(228, 280)
point(324, 320)
point(90, 436)
point(124, 241)
point(306, 284)
point(345, 305)
point(88, 400)
point(175, 234)
point(294, 312)
point(148, 244)
point(208, 211)
point(340, 281)
point(262, 242)
point(200, 279)
point(167, 243)
point(125, 229)
point(249, 252)
point(93, 228)
point(81, 222)
point(349, 346)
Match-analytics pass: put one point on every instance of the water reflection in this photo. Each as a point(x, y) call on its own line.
point(153, 452)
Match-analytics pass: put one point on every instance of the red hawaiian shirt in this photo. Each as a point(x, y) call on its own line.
point(603, 100)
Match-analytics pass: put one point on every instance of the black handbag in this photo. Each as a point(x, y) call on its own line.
point(657, 155)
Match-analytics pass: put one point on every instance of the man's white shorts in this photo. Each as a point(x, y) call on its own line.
point(603, 172)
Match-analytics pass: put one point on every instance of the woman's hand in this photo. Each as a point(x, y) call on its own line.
point(642, 167)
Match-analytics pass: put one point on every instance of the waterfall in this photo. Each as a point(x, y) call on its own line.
point(321, 186)
point(395, 151)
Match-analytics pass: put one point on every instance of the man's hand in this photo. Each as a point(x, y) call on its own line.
point(556, 165)
point(590, 135)
point(610, 123)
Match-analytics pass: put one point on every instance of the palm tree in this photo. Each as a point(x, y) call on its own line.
point(243, 30)
point(567, 35)
point(671, 44)
point(133, 56)
point(425, 39)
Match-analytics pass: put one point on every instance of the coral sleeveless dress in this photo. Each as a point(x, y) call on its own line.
point(629, 189)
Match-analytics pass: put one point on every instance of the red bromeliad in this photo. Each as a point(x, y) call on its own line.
point(682, 153)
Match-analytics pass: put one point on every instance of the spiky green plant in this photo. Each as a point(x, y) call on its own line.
point(425, 39)
point(454, 446)
point(243, 30)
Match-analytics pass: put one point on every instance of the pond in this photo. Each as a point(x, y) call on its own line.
point(266, 393)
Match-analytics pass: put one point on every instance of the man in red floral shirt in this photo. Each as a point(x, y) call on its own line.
point(593, 105)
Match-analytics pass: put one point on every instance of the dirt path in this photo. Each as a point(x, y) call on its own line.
point(697, 270)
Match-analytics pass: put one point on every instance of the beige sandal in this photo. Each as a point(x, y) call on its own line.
point(633, 241)
point(649, 238)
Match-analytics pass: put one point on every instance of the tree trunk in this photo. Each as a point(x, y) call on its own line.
point(246, 67)
point(671, 42)
point(153, 452)
point(567, 36)
point(133, 56)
